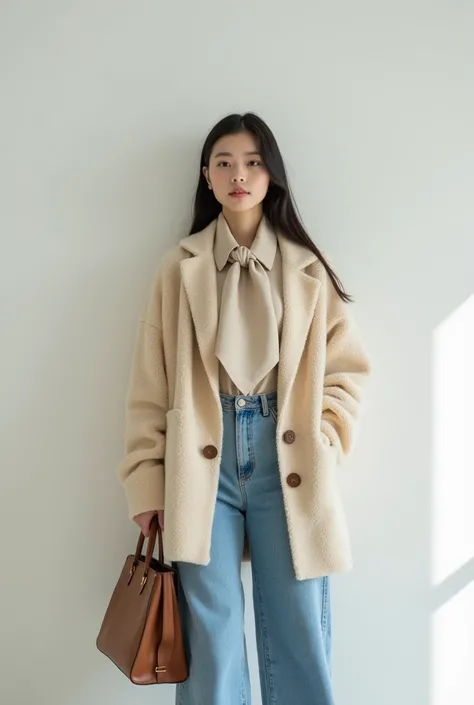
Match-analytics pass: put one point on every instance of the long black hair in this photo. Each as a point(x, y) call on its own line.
point(278, 205)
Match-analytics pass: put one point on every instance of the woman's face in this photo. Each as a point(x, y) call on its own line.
point(236, 167)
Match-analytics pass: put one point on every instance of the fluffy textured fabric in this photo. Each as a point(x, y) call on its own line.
point(174, 411)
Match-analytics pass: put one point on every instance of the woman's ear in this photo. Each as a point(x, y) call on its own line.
point(205, 171)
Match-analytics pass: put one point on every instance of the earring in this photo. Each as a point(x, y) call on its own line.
point(209, 186)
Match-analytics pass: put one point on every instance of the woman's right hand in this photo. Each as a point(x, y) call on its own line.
point(144, 520)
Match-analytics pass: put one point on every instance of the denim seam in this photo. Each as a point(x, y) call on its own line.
point(248, 418)
point(273, 412)
point(324, 606)
point(251, 445)
point(265, 644)
point(243, 491)
point(243, 691)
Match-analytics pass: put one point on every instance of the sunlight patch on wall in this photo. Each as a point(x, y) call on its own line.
point(453, 438)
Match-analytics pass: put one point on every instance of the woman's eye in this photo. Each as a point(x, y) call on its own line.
point(252, 163)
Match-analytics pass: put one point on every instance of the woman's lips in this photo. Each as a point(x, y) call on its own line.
point(239, 194)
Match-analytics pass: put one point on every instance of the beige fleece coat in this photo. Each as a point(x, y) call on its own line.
point(174, 411)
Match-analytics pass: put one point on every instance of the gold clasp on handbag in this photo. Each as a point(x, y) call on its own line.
point(160, 669)
point(143, 582)
point(131, 573)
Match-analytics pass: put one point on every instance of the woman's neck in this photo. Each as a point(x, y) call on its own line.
point(244, 226)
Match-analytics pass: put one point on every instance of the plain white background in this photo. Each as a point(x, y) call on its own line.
point(104, 107)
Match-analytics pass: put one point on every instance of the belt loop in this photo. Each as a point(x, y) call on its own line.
point(264, 400)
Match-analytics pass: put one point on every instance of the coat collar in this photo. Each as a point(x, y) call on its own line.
point(300, 293)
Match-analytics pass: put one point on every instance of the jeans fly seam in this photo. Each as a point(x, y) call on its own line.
point(251, 445)
point(241, 479)
point(248, 436)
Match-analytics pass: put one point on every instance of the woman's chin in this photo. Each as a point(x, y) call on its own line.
point(239, 205)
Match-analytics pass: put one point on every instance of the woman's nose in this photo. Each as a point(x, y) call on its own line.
point(239, 173)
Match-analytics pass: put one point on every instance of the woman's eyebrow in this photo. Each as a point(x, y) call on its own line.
point(229, 154)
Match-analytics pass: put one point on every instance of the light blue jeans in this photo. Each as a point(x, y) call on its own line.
point(292, 618)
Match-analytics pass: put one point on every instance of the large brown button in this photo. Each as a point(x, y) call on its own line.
point(210, 452)
point(289, 436)
point(293, 479)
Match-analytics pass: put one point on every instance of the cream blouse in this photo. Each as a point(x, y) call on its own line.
point(249, 335)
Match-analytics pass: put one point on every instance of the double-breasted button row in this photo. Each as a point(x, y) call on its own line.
point(293, 479)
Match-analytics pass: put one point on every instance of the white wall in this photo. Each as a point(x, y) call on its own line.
point(105, 104)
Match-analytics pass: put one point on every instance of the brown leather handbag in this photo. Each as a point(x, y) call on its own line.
point(141, 631)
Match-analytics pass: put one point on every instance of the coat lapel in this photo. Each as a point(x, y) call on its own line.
point(300, 293)
point(199, 278)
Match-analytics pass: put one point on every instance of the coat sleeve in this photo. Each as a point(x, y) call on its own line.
point(346, 370)
point(142, 471)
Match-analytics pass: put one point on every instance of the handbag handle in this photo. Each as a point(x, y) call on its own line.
point(155, 529)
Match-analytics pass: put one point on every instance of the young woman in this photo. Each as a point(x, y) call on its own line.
point(244, 397)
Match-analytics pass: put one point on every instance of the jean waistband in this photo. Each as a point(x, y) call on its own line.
point(259, 402)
